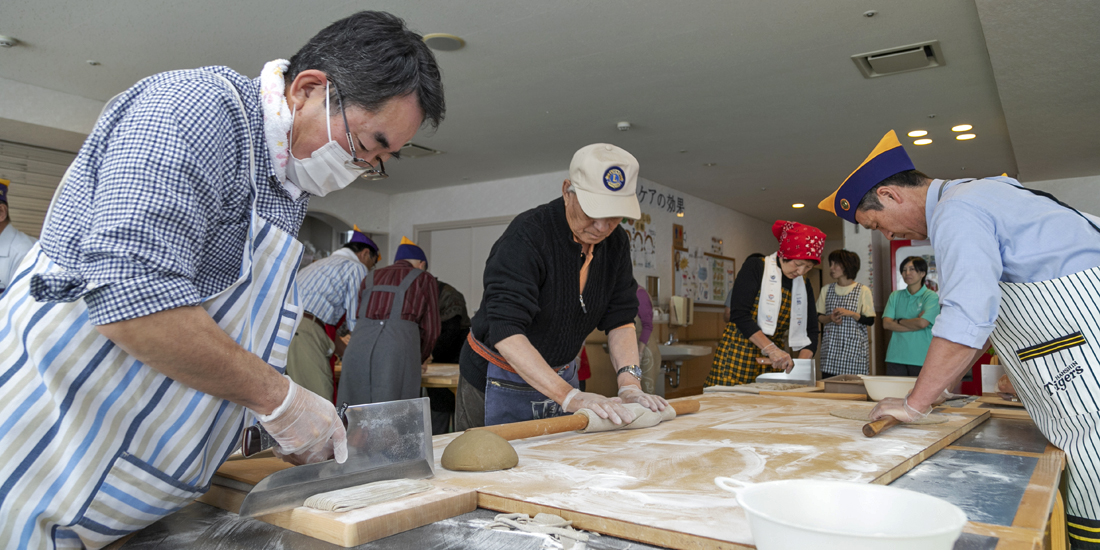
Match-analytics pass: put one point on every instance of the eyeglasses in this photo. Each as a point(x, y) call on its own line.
point(371, 173)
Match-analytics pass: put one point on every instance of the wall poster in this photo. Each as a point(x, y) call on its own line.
point(702, 276)
point(643, 248)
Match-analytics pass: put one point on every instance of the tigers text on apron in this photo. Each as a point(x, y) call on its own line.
point(1048, 337)
point(508, 398)
point(382, 361)
point(844, 345)
point(96, 443)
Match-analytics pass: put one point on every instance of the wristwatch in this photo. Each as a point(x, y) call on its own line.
point(633, 370)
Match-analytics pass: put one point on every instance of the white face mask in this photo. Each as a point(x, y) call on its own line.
point(325, 170)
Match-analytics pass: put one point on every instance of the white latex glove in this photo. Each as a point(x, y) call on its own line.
point(634, 394)
point(898, 408)
point(604, 407)
point(780, 358)
point(306, 428)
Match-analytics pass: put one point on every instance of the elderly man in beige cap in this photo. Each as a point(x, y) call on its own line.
point(559, 271)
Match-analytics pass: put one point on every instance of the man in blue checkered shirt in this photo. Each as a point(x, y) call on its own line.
point(131, 345)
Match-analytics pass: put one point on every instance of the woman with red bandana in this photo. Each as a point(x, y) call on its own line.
point(771, 308)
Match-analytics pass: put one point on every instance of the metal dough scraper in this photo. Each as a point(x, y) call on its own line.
point(804, 372)
point(390, 440)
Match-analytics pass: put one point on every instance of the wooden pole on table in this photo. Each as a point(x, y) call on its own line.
point(567, 423)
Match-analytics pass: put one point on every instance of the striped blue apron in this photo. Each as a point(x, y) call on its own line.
point(97, 444)
point(1048, 337)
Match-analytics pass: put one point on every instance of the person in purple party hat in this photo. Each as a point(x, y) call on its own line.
point(329, 290)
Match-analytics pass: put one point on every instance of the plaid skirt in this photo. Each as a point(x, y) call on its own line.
point(735, 359)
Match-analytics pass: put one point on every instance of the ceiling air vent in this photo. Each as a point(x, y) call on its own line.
point(925, 55)
point(414, 151)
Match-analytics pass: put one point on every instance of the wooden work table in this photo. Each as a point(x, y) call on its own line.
point(999, 470)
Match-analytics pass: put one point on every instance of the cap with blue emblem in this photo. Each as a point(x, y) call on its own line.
point(4, 190)
point(887, 159)
point(605, 178)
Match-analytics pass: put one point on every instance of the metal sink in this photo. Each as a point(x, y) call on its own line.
point(681, 352)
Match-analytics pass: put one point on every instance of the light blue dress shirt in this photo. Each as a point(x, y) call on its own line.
point(14, 244)
point(329, 287)
point(991, 230)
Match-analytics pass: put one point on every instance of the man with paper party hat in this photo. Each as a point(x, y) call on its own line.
point(1017, 268)
point(328, 290)
point(397, 324)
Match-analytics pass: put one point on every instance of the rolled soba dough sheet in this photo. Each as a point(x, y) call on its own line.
point(643, 418)
point(861, 414)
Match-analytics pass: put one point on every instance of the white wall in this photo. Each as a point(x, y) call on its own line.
point(49, 108)
point(742, 235)
point(472, 201)
point(1080, 193)
point(369, 210)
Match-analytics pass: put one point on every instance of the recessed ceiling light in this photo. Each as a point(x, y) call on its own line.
point(964, 137)
point(710, 164)
point(798, 205)
point(924, 141)
point(918, 133)
point(961, 128)
point(444, 42)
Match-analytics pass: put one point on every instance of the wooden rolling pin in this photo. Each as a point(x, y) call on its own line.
point(871, 429)
point(566, 423)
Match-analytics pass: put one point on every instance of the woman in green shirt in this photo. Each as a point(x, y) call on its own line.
point(910, 313)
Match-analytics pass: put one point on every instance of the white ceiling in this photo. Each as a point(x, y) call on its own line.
point(766, 90)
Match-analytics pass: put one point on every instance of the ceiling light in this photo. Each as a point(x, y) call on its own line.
point(412, 151)
point(961, 128)
point(964, 137)
point(798, 205)
point(918, 133)
point(7, 41)
point(710, 164)
point(444, 42)
point(924, 141)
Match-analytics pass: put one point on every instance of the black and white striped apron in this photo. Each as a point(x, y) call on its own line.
point(96, 443)
point(1048, 337)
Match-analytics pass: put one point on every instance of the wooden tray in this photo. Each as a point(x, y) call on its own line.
point(346, 529)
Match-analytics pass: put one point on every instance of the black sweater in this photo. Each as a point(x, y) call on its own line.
point(532, 287)
point(744, 296)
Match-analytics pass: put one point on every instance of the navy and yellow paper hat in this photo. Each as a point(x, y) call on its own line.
point(888, 158)
point(408, 250)
point(358, 236)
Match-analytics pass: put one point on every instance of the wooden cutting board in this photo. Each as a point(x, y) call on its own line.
point(656, 485)
point(346, 529)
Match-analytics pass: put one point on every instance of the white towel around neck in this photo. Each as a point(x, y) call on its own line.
point(771, 295)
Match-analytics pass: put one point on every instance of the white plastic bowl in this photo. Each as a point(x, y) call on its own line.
point(840, 515)
point(881, 387)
